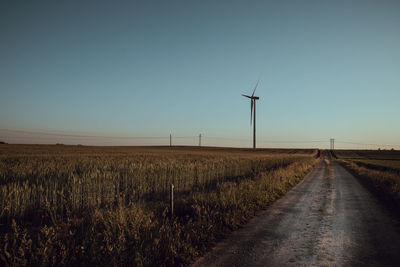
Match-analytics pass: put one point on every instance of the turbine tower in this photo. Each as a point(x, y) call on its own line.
point(253, 108)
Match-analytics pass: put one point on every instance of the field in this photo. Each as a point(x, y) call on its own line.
point(379, 169)
point(386, 160)
point(68, 205)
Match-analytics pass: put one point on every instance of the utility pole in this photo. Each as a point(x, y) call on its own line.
point(332, 144)
point(170, 139)
point(199, 139)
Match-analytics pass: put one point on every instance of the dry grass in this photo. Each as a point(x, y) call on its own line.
point(63, 205)
point(380, 170)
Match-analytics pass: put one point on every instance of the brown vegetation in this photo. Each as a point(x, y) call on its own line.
point(378, 169)
point(68, 205)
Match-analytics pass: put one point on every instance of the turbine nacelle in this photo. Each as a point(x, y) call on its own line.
point(251, 97)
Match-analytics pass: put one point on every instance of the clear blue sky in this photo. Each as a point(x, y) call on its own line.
point(150, 68)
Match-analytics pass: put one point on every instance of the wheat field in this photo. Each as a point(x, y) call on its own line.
point(63, 205)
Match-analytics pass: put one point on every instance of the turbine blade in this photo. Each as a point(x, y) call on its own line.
point(251, 112)
point(247, 96)
point(255, 88)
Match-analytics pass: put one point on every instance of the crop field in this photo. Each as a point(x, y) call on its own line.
point(379, 169)
point(68, 205)
point(386, 160)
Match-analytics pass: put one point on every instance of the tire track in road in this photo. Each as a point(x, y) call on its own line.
point(327, 219)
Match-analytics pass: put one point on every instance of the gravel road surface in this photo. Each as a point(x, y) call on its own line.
point(329, 219)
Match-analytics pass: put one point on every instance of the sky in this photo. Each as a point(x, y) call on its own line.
point(108, 72)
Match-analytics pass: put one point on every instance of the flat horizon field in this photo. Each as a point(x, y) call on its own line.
point(64, 205)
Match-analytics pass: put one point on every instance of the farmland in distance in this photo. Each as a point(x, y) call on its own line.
point(379, 170)
point(388, 160)
point(63, 205)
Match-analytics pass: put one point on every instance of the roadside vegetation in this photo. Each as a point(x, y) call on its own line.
point(378, 169)
point(76, 205)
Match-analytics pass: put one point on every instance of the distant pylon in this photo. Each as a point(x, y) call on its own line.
point(332, 143)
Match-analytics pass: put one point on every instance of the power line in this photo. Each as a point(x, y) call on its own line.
point(86, 136)
point(227, 138)
point(44, 135)
point(152, 137)
point(363, 144)
point(299, 142)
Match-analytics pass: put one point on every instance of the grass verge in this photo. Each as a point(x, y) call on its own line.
point(383, 183)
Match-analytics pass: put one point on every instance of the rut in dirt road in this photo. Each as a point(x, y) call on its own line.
point(327, 219)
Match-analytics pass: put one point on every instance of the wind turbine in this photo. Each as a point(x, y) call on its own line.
point(253, 107)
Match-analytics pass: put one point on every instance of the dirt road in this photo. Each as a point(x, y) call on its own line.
point(327, 219)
